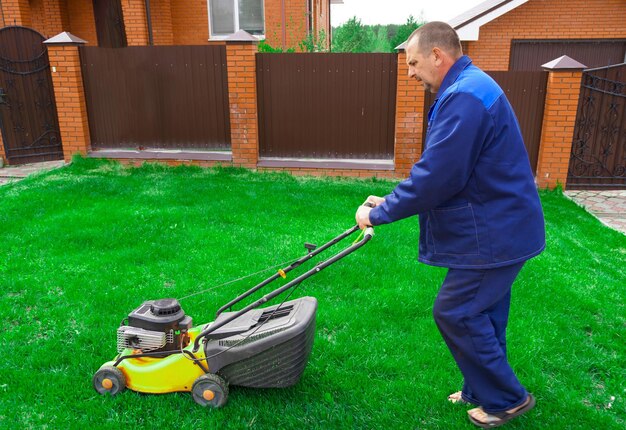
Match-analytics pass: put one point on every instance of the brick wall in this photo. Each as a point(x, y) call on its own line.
point(296, 22)
point(321, 19)
point(134, 12)
point(37, 16)
point(294, 29)
point(325, 21)
point(547, 19)
point(162, 30)
point(273, 23)
point(56, 18)
point(51, 17)
point(82, 21)
point(174, 22)
point(16, 12)
point(48, 17)
point(190, 22)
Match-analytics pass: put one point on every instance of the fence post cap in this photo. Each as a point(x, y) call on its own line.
point(564, 63)
point(242, 36)
point(401, 47)
point(65, 38)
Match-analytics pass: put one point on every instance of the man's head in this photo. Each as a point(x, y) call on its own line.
point(430, 52)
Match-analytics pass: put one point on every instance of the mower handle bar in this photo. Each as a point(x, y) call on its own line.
point(369, 232)
point(286, 270)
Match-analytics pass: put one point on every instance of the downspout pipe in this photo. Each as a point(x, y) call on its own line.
point(149, 21)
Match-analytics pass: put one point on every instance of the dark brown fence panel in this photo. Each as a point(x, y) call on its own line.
point(531, 54)
point(329, 106)
point(526, 91)
point(598, 158)
point(164, 97)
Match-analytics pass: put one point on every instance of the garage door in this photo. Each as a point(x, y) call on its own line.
point(531, 54)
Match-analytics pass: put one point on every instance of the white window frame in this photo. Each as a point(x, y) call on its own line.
point(236, 18)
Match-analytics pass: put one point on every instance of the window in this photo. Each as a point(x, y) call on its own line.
point(229, 16)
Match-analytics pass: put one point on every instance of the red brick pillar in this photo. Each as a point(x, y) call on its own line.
point(2, 153)
point(241, 48)
point(559, 118)
point(16, 12)
point(409, 119)
point(67, 80)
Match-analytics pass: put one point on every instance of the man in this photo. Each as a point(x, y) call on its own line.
point(480, 216)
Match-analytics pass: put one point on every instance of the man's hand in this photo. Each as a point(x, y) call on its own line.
point(363, 212)
point(374, 200)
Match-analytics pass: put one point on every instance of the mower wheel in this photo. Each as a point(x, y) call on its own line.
point(210, 390)
point(109, 379)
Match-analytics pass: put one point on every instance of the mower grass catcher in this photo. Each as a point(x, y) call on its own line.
point(161, 351)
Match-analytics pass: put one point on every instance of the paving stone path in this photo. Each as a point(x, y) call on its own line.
point(608, 206)
point(15, 173)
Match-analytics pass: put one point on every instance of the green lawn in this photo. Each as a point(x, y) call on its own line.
point(82, 246)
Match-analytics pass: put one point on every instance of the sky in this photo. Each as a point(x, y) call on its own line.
point(397, 11)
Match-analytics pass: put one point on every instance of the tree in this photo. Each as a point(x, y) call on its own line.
point(404, 31)
point(380, 41)
point(352, 37)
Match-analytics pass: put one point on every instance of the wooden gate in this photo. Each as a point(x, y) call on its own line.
point(28, 116)
point(109, 23)
point(598, 157)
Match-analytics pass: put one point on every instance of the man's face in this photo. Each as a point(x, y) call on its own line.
point(422, 67)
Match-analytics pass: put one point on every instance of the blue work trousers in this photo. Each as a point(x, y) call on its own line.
point(472, 311)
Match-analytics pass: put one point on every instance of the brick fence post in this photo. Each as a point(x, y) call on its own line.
point(241, 48)
point(67, 80)
point(409, 119)
point(559, 119)
point(2, 153)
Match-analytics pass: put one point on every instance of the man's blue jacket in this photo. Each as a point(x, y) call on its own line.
point(473, 187)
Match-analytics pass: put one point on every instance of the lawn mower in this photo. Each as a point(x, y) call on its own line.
point(161, 351)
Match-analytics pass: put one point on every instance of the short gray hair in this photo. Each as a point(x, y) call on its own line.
point(437, 34)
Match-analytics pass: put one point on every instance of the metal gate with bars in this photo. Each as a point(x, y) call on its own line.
point(28, 116)
point(598, 157)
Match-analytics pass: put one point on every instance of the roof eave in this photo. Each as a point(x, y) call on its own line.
point(469, 28)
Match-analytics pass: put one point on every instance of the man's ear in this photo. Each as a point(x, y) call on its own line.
point(438, 56)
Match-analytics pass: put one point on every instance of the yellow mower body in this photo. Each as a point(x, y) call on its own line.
point(176, 372)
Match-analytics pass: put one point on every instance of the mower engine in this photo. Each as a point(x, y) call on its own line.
point(155, 326)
